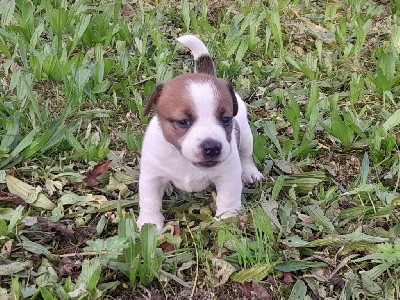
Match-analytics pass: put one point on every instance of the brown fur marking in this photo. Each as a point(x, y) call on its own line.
point(153, 99)
point(204, 64)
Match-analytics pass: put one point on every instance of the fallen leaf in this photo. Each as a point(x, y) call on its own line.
point(91, 181)
point(4, 196)
point(52, 186)
point(185, 266)
point(257, 272)
point(89, 199)
point(37, 249)
point(100, 168)
point(6, 250)
point(318, 31)
point(29, 193)
point(254, 290)
point(295, 265)
point(6, 213)
point(127, 11)
point(299, 50)
point(299, 290)
point(30, 221)
point(284, 165)
point(91, 176)
point(287, 278)
point(177, 230)
point(97, 200)
point(48, 225)
point(172, 227)
point(305, 218)
point(81, 290)
point(21, 189)
point(113, 184)
point(68, 267)
point(170, 239)
point(222, 271)
point(167, 246)
point(14, 267)
point(270, 207)
point(65, 270)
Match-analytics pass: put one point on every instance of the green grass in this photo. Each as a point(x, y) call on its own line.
point(322, 83)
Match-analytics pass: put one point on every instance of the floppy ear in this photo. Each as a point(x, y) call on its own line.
point(153, 99)
point(234, 100)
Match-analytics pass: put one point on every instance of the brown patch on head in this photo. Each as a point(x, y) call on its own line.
point(227, 105)
point(153, 99)
point(172, 106)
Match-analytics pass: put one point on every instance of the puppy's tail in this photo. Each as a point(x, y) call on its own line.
point(202, 59)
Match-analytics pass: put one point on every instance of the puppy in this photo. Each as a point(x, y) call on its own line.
point(199, 136)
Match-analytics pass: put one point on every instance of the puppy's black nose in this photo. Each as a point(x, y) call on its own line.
point(211, 148)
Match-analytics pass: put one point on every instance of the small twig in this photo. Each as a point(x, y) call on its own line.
point(197, 263)
point(398, 176)
point(91, 253)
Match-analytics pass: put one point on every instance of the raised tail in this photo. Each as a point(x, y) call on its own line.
point(202, 59)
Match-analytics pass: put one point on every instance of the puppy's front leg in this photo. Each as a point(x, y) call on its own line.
point(229, 192)
point(151, 191)
point(250, 173)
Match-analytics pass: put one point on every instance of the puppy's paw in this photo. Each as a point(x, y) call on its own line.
point(157, 219)
point(225, 215)
point(250, 174)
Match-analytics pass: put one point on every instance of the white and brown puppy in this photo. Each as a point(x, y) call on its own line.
point(199, 136)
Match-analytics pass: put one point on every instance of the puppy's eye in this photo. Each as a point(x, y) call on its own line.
point(185, 123)
point(226, 121)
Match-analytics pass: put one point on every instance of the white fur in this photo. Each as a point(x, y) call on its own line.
point(161, 162)
point(195, 45)
point(203, 96)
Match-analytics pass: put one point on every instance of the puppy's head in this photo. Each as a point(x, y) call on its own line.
point(196, 116)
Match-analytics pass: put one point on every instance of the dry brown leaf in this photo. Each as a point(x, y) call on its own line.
point(91, 176)
point(97, 200)
point(305, 218)
point(4, 196)
point(69, 267)
point(6, 249)
point(48, 225)
point(222, 271)
point(254, 290)
point(288, 278)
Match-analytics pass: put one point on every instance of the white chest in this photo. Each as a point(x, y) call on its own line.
point(191, 183)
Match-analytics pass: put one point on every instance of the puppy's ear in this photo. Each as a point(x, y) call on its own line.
point(153, 99)
point(234, 100)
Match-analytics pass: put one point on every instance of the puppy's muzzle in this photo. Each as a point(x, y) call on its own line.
point(210, 153)
point(211, 149)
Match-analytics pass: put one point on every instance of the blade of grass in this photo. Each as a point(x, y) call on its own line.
point(26, 142)
point(313, 99)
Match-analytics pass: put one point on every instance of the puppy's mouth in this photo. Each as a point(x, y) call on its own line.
point(206, 164)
